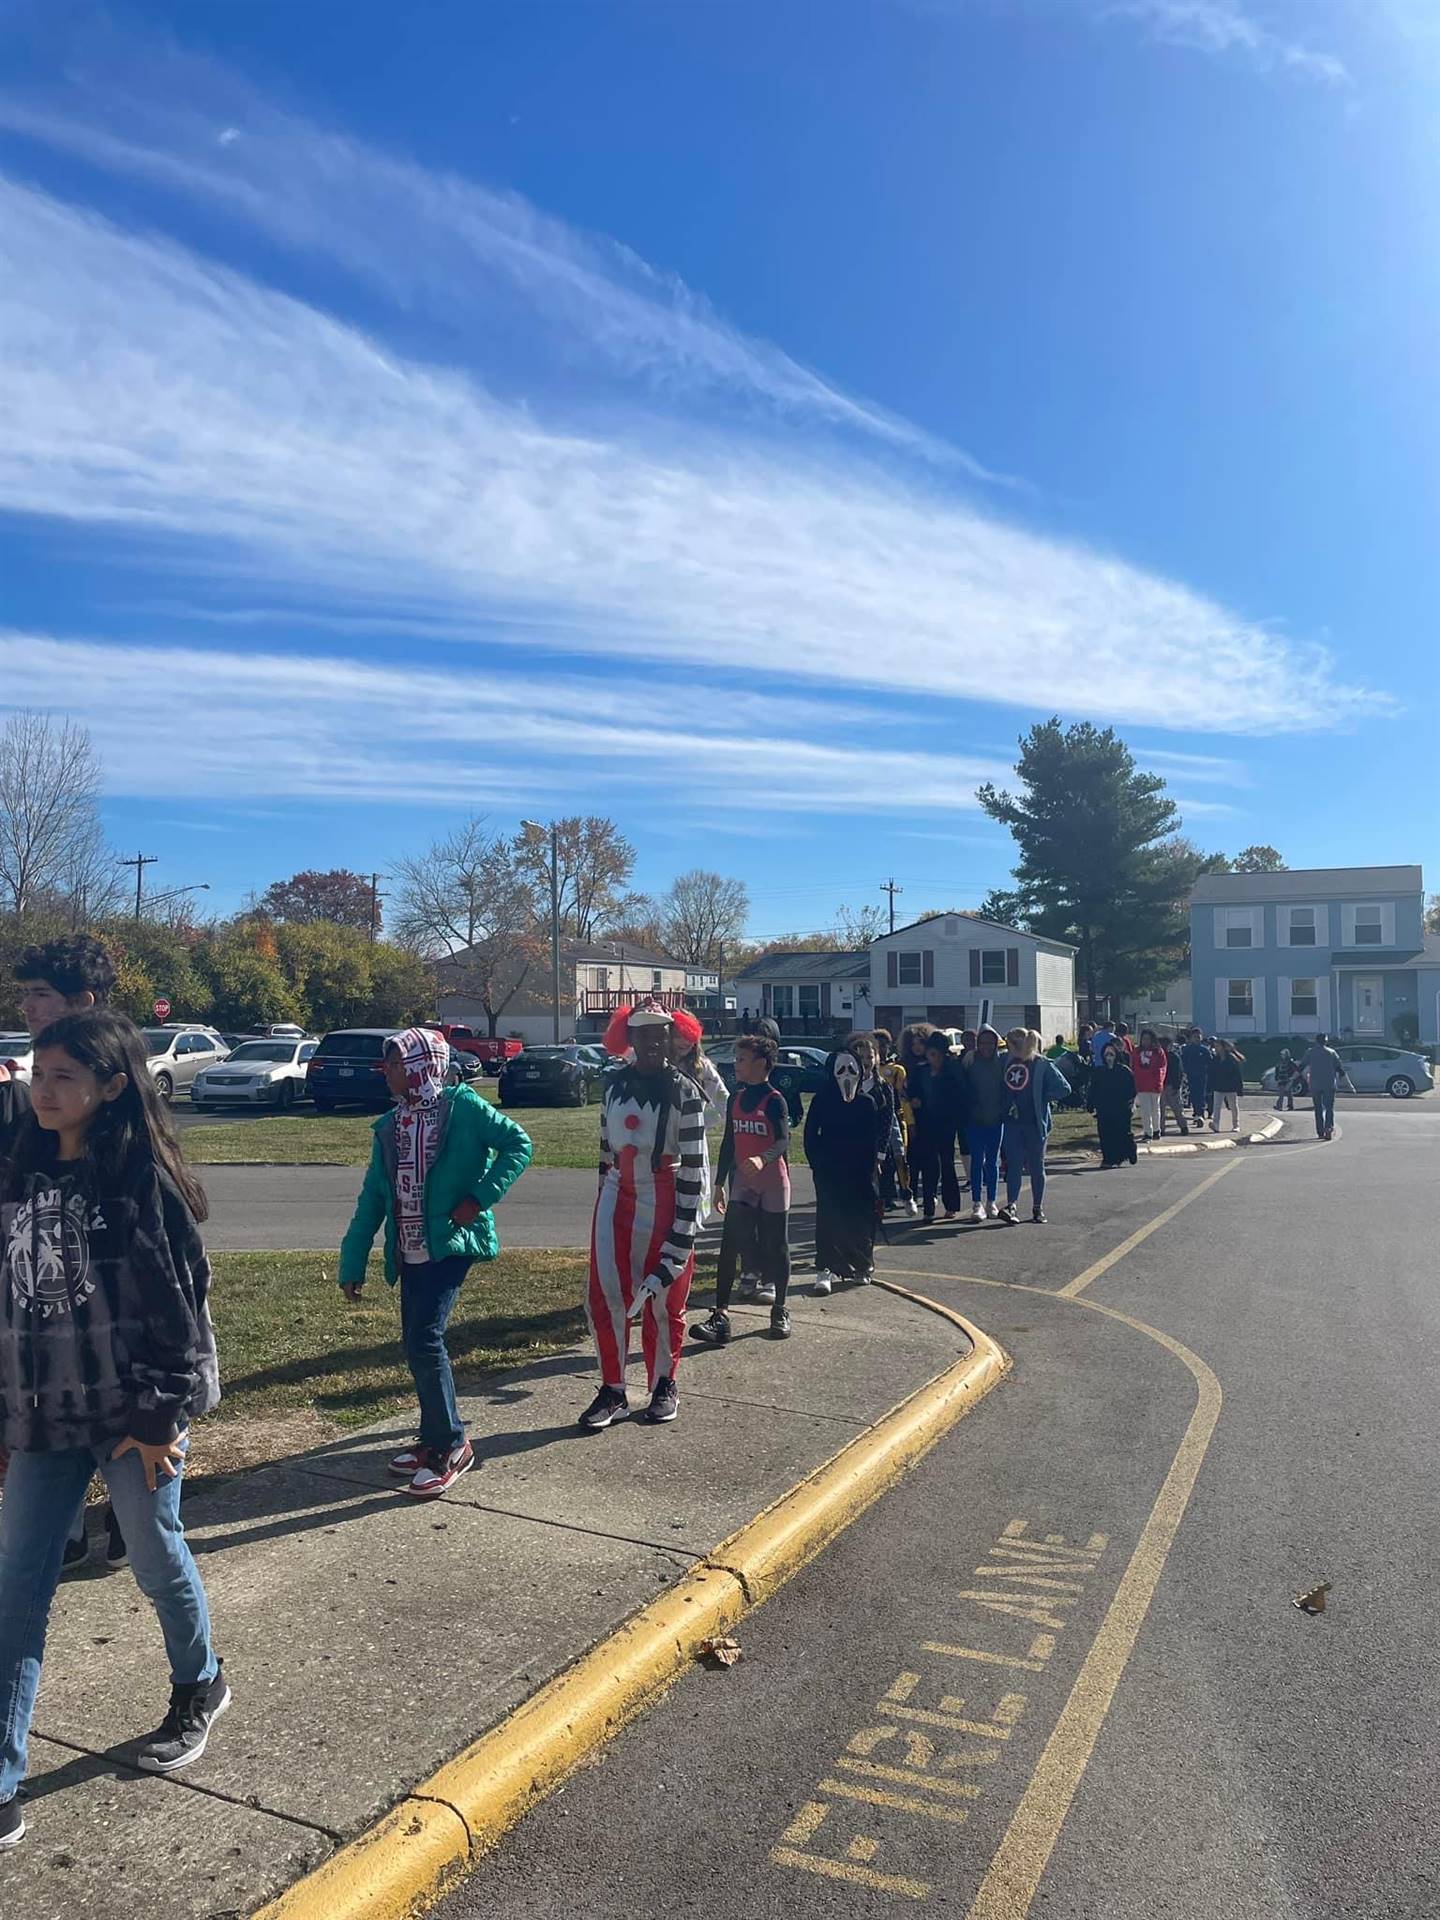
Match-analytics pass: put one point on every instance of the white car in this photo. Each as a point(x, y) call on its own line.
point(17, 1051)
point(259, 1073)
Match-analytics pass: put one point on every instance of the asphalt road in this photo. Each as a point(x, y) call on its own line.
point(1058, 1670)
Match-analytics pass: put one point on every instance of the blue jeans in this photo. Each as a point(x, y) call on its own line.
point(984, 1159)
point(43, 1492)
point(1324, 1109)
point(427, 1299)
point(1024, 1152)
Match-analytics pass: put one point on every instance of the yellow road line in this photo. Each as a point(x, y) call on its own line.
point(1014, 1873)
point(1083, 1280)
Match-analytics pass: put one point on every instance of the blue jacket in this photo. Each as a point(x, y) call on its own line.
point(1195, 1057)
point(1031, 1106)
point(1106, 1037)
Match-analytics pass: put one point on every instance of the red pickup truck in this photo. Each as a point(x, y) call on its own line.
point(491, 1053)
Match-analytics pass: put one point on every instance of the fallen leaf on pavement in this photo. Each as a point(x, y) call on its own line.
point(724, 1651)
point(1314, 1600)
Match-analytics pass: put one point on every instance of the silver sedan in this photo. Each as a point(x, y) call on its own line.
point(259, 1073)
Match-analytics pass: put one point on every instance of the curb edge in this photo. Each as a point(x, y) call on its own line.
point(415, 1853)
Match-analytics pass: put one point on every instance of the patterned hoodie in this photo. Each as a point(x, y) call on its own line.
point(104, 1312)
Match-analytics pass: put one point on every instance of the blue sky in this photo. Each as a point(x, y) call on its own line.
point(740, 419)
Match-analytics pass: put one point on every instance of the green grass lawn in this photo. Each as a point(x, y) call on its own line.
point(299, 1364)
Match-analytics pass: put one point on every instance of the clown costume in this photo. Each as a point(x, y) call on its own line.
point(642, 1244)
point(846, 1133)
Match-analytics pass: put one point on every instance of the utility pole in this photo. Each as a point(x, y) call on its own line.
point(375, 898)
point(140, 862)
point(890, 887)
point(554, 831)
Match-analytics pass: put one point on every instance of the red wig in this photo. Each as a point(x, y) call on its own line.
point(617, 1034)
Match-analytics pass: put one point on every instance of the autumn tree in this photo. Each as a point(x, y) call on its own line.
point(858, 926)
point(471, 903)
point(1258, 859)
point(593, 867)
point(343, 898)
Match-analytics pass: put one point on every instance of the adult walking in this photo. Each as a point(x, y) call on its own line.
point(1227, 1083)
point(1195, 1058)
point(1112, 1092)
point(1032, 1084)
point(938, 1101)
point(1170, 1094)
point(846, 1131)
point(1324, 1070)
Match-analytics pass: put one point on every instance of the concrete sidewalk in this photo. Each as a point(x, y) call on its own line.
point(368, 1638)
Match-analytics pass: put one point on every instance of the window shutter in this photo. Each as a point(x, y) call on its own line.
point(974, 966)
point(825, 997)
point(892, 968)
point(1012, 966)
point(927, 967)
point(1284, 1012)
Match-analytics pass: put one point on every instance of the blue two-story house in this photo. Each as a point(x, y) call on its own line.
point(1339, 950)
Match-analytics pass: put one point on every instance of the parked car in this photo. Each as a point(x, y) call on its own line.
point(1376, 1068)
point(492, 1054)
point(463, 1068)
point(347, 1069)
point(567, 1075)
point(258, 1073)
point(800, 1067)
point(17, 1050)
point(177, 1054)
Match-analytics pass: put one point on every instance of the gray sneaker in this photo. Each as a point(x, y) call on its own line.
point(182, 1735)
point(609, 1404)
point(664, 1403)
point(779, 1323)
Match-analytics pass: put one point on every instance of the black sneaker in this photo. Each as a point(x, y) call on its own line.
point(76, 1555)
point(664, 1402)
point(714, 1329)
point(779, 1323)
point(1038, 1216)
point(1006, 1215)
point(609, 1404)
point(12, 1822)
point(181, 1738)
point(117, 1554)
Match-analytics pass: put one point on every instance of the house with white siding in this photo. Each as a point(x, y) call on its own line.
point(953, 968)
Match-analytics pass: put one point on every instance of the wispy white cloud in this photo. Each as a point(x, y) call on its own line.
point(429, 242)
point(219, 425)
point(322, 728)
point(1207, 768)
point(1228, 27)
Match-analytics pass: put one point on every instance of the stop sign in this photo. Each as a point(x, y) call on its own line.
point(162, 1009)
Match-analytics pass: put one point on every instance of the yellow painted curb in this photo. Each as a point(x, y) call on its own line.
point(406, 1862)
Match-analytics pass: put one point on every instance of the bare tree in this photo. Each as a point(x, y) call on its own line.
point(49, 794)
point(702, 914)
point(637, 920)
point(595, 864)
point(91, 886)
point(857, 927)
point(467, 887)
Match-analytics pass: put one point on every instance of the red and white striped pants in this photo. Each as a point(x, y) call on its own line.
point(633, 1218)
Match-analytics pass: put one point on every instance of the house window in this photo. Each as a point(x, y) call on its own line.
point(1302, 927)
point(1304, 1000)
point(810, 1000)
point(1238, 936)
point(992, 967)
point(602, 979)
point(782, 1002)
point(1239, 926)
point(1369, 927)
point(1240, 1004)
point(655, 981)
point(909, 969)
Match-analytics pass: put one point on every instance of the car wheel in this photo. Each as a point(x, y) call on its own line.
point(165, 1087)
point(582, 1094)
point(1400, 1087)
point(324, 1106)
point(286, 1097)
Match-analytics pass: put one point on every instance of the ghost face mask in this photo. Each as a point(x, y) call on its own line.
point(847, 1075)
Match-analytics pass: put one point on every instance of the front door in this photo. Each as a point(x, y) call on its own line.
point(1370, 1004)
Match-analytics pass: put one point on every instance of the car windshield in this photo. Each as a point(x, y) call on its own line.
point(550, 1053)
point(10, 1041)
point(356, 1046)
point(275, 1051)
point(159, 1042)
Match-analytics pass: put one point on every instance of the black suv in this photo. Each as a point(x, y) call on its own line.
point(347, 1069)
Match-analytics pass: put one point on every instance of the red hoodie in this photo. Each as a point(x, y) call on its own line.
point(1148, 1066)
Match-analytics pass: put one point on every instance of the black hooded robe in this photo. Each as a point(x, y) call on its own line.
point(844, 1140)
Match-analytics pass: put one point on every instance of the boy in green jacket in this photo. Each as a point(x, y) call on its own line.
point(441, 1159)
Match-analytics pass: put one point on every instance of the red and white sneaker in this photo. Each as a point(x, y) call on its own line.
point(406, 1465)
point(441, 1471)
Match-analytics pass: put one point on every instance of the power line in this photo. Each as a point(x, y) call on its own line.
point(140, 862)
point(892, 888)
